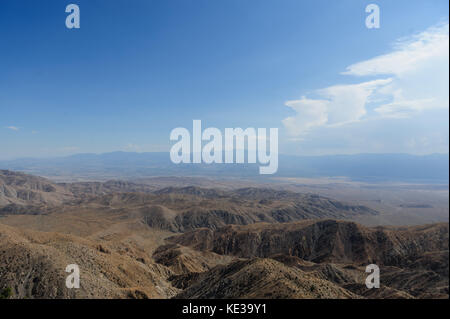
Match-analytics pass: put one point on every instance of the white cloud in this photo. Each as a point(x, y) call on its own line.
point(347, 102)
point(13, 128)
point(408, 55)
point(340, 105)
point(409, 81)
point(310, 113)
point(403, 108)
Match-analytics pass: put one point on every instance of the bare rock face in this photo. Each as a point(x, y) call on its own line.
point(413, 260)
point(322, 241)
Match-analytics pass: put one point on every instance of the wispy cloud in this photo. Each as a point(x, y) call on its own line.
point(411, 79)
point(13, 128)
point(409, 54)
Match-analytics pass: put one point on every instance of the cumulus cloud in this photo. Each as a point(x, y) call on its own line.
point(347, 102)
point(411, 79)
point(309, 113)
point(340, 105)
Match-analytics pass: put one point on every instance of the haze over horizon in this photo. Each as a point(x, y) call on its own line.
point(130, 165)
point(75, 154)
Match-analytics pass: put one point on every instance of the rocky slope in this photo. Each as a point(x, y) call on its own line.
point(413, 260)
point(188, 208)
point(133, 240)
point(323, 241)
point(262, 278)
point(33, 264)
point(309, 259)
point(22, 189)
point(177, 209)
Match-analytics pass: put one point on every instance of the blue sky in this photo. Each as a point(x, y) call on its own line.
point(137, 69)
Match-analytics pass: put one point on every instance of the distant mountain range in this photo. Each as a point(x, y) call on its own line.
point(368, 167)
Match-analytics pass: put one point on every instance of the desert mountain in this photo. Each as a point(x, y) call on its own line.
point(262, 278)
point(188, 208)
point(23, 189)
point(413, 260)
point(87, 189)
point(176, 209)
point(308, 259)
point(322, 241)
point(134, 240)
point(33, 264)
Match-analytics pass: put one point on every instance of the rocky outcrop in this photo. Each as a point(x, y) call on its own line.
point(323, 241)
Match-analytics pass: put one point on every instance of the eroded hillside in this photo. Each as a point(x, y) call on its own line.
point(133, 240)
